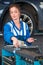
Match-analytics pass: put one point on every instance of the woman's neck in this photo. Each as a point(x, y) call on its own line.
point(17, 23)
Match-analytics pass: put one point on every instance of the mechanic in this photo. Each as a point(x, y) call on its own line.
point(16, 29)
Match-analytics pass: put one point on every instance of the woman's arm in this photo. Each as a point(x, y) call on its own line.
point(8, 34)
point(30, 40)
point(15, 41)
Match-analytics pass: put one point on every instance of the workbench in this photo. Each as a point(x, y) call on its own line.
point(30, 55)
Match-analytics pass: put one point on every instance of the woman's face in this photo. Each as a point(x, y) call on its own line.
point(14, 13)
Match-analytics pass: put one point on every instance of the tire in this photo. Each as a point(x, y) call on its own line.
point(28, 18)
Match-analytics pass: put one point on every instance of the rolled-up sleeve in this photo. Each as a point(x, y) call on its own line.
point(8, 34)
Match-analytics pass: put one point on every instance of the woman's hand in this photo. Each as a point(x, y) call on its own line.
point(15, 42)
point(30, 40)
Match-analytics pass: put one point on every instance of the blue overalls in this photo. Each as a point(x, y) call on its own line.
point(11, 30)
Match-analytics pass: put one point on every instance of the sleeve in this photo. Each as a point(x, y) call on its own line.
point(8, 34)
point(27, 32)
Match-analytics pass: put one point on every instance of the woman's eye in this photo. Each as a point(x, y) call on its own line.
point(13, 12)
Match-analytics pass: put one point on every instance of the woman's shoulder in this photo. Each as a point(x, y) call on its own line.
point(8, 23)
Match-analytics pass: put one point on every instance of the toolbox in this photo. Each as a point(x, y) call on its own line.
point(25, 55)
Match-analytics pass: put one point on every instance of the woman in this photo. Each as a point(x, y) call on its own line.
point(15, 29)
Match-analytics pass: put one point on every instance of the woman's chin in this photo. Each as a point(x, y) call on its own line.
point(15, 19)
